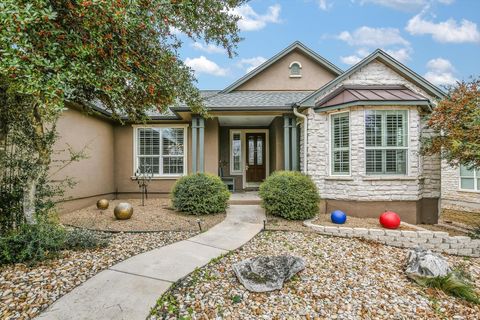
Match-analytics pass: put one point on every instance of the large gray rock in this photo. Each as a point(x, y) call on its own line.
point(424, 263)
point(267, 273)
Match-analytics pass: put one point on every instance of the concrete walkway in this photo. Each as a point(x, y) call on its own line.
point(130, 288)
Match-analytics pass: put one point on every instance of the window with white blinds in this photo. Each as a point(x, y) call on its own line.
point(340, 143)
point(386, 141)
point(161, 151)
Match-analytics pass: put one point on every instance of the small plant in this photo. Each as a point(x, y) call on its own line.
point(84, 239)
point(200, 194)
point(236, 298)
point(453, 284)
point(32, 243)
point(475, 234)
point(290, 195)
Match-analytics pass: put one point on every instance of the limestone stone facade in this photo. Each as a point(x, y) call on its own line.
point(452, 196)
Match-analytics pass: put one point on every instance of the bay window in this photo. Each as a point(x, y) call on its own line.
point(386, 141)
point(340, 143)
point(161, 150)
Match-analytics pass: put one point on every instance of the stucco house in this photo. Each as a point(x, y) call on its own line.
point(357, 133)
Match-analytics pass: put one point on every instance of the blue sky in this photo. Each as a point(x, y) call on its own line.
point(439, 39)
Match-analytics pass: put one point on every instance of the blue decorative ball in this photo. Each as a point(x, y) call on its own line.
point(338, 217)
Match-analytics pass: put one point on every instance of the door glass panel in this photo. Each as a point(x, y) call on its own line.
point(259, 150)
point(251, 150)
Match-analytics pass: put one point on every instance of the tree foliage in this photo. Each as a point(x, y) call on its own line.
point(118, 55)
point(456, 123)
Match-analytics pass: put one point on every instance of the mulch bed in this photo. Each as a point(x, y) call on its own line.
point(156, 215)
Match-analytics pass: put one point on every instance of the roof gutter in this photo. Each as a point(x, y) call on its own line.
point(305, 144)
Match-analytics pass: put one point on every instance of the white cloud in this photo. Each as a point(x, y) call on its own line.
point(446, 31)
point(323, 5)
point(406, 5)
point(203, 65)
point(251, 20)
point(402, 54)
point(373, 37)
point(440, 72)
point(353, 59)
point(251, 63)
point(210, 48)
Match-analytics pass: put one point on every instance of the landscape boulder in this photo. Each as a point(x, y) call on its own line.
point(267, 273)
point(423, 263)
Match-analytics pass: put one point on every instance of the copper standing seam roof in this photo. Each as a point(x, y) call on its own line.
point(347, 94)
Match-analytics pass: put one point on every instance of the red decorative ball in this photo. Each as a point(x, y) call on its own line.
point(390, 220)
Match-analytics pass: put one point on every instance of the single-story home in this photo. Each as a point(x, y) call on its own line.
point(357, 133)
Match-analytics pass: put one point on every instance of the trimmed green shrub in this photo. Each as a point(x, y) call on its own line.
point(290, 195)
point(31, 243)
point(200, 194)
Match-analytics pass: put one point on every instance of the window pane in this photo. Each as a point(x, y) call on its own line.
point(172, 140)
point(396, 161)
point(374, 161)
point(149, 164)
point(148, 141)
point(395, 129)
point(466, 172)
point(251, 150)
point(173, 165)
point(340, 143)
point(236, 152)
point(373, 129)
point(341, 163)
point(467, 183)
point(259, 150)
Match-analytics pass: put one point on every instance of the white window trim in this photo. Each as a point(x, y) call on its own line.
point(161, 126)
point(330, 149)
point(290, 67)
point(391, 175)
point(476, 187)
point(232, 171)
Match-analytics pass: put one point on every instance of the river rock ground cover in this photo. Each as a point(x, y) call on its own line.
point(27, 290)
point(344, 279)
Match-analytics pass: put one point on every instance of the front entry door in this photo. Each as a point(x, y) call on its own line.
point(255, 166)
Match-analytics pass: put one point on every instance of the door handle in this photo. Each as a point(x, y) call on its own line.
point(246, 168)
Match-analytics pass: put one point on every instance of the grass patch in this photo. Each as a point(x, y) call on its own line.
point(454, 284)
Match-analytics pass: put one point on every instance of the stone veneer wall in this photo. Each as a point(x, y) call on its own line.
point(423, 178)
point(452, 196)
point(433, 240)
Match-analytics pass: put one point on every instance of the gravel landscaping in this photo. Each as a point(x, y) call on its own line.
point(345, 278)
point(156, 215)
point(27, 290)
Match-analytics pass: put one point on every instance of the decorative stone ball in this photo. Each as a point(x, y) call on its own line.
point(102, 204)
point(390, 220)
point(338, 217)
point(123, 211)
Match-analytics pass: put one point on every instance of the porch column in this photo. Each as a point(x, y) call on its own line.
point(198, 156)
point(286, 142)
point(294, 145)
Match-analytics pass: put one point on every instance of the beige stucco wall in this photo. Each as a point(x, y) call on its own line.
point(94, 176)
point(277, 76)
point(452, 196)
point(211, 146)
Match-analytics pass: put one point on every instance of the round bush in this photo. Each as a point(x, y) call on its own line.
point(200, 194)
point(290, 195)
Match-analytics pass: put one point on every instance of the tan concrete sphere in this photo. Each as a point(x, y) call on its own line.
point(102, 204)
point(123, 211)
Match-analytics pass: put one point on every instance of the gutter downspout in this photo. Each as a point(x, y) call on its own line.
point(305, 128)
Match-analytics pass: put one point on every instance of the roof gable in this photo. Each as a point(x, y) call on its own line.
point(294, 47)
point(384, 58)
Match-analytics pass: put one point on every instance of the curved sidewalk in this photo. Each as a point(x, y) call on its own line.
point(130, 288)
